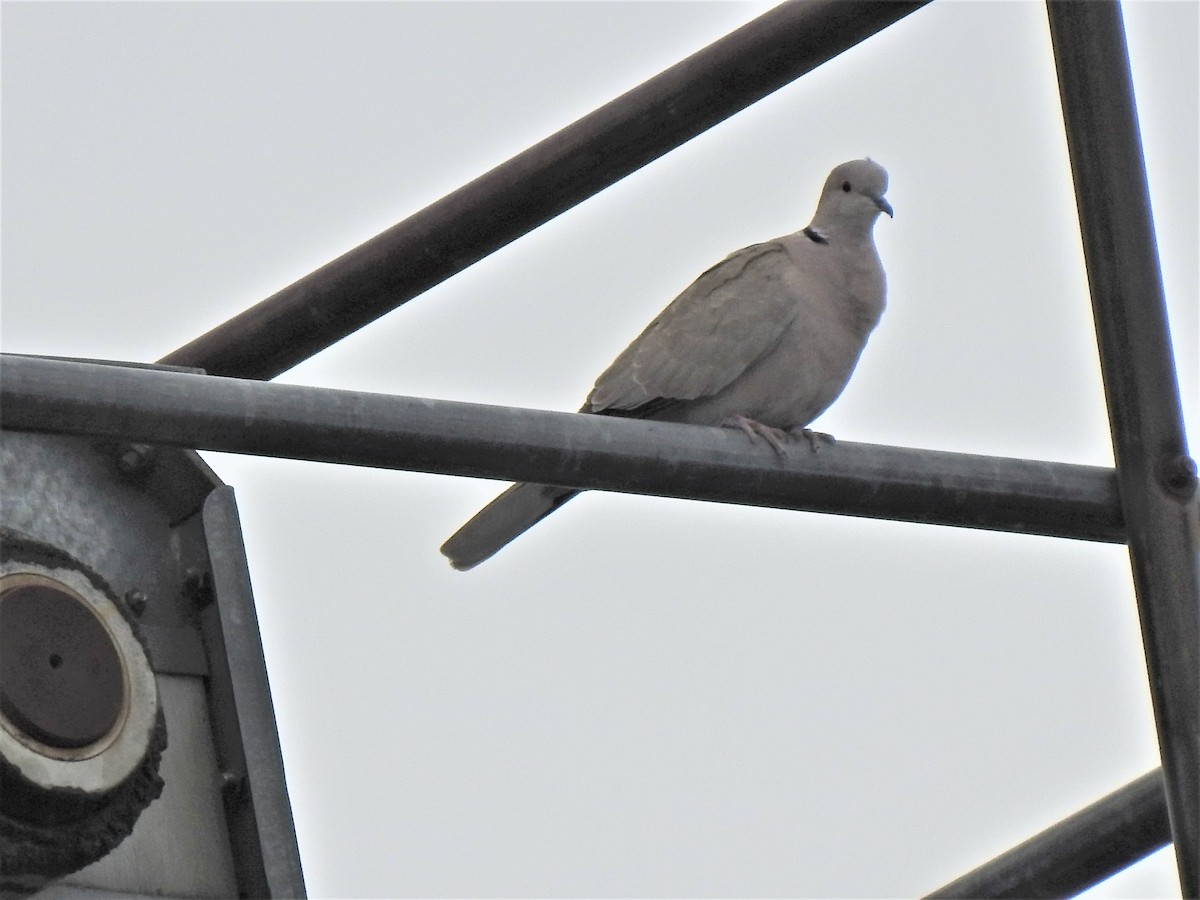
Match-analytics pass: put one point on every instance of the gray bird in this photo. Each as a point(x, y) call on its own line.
point(763, 341)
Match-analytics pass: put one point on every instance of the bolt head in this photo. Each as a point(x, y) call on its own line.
point(1178, 475)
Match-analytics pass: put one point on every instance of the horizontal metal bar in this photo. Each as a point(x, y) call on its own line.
point(1156, 475)
point(1080, 851)
point(660, 458)
point(111, 362)
point(536, 185)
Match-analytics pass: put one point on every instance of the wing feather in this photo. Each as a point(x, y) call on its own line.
point(730, 317)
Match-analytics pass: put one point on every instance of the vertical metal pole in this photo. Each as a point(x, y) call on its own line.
point(1156, 478)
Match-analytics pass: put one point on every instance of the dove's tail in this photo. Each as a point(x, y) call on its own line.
point(507, 517)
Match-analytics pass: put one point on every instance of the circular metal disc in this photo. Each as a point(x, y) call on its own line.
point(60, 674)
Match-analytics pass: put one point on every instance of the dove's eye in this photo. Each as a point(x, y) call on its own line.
point(846, 187)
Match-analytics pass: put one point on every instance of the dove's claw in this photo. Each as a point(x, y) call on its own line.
point(815, 438)
point(754, 429)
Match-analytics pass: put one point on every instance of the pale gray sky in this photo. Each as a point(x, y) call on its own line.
point(641, 696)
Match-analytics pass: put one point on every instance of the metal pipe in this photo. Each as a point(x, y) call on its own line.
point(536, 185)
point(1080, 851)
point(246, 416)
point(1157, 477)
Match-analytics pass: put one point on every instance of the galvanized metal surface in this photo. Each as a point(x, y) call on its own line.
point(660, 458)
point(180, 846)
point(536, 185)
point(68, 492)
point(1157, 477)
point(146, 532)
point(1080, 851)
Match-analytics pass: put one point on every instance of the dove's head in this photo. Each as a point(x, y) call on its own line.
point(852, 198)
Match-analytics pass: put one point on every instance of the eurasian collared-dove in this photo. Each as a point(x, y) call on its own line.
point(764, 341)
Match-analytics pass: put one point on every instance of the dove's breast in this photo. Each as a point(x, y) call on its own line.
point(809, 366)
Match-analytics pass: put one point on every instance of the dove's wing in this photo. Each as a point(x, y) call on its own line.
point(730, 317)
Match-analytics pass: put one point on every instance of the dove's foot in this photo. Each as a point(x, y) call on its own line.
point(754, 429)
point(816, 439)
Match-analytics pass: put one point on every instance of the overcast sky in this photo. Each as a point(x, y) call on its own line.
point(640, 696)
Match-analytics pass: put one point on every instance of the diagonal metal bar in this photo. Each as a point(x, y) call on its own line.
point(1157, 478)
point(1080, 851)
point(536, 185)
point(247, 416)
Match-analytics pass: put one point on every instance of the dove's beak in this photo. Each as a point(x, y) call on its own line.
point(884, 206)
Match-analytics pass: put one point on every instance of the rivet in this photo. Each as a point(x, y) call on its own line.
point(134, 459)
point(1178, 475)
point(136, 601)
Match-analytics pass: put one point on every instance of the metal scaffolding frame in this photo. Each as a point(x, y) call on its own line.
point(1148, 501)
